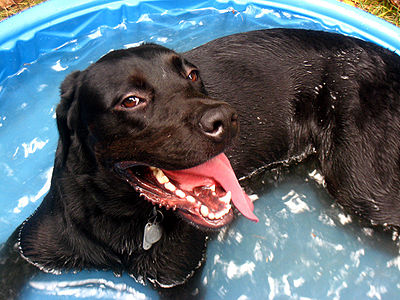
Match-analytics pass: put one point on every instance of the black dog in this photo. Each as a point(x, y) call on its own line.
point(133, 118)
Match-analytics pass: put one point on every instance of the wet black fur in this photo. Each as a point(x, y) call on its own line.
point(297, 93)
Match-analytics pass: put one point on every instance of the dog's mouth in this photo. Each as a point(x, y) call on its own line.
point(203, 195)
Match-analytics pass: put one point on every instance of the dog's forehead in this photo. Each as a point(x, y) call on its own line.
point(151, 67)
point(149, 63)
point(141, 57)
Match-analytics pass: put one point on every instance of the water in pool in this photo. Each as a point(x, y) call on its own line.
point(304, 247)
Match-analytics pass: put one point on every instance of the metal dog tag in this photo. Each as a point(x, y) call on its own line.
point(152, 234)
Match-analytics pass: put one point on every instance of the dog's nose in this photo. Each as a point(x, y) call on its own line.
point(219, 123)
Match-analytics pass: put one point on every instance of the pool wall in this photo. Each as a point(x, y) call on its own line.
point(46, 27)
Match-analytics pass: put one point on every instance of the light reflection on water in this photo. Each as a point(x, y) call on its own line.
point(304, 247)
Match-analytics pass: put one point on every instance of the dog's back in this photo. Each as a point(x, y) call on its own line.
point(302, 92)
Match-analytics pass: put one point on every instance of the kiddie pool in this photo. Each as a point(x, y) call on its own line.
point(304, 247)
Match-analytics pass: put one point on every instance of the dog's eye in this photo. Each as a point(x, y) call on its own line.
point(193, 76)
point(131, 101)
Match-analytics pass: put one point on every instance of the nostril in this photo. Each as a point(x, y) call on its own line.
point(211, 127)
point(219, 123)
point(212, 124)
point(234, 119)
point(218, 128)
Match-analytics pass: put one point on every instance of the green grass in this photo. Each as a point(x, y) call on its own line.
point(381, 8)
point(16, 6)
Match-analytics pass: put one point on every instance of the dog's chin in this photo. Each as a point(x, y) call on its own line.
point(202, 203)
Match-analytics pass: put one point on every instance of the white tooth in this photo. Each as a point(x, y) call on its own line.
point(161, 178)
point(190, 199)
point(226, 210)
point(226, 198)
point(170, 187)
point(204, 210)
point(211, 216)
point(180, 194)
point(153, 168)
point(212, 187)
point(218, 215)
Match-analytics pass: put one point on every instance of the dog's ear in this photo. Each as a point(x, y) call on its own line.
point(67, 113)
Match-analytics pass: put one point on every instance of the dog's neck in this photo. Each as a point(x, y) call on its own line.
point(89, 236)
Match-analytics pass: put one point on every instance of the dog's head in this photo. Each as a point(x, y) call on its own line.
point(143, 113)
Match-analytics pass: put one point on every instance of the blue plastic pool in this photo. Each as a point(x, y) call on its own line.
point(304, 247)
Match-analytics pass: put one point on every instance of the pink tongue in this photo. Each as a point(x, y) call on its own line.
point(219, 168)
